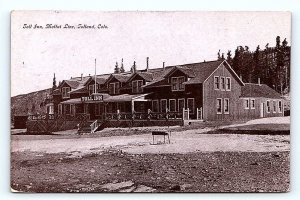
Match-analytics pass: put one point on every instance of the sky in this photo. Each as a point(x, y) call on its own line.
point(171, 37)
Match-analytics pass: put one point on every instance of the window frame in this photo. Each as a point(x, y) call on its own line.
point(178, 85)
point(92, 88)
point(221, 105)
point(67, 93)
point(226, 112)
point(161, 107)
point(181, 99)
point(60, 109)
point(217, 83)
point(247, 104)
point(252, 107)
point(222, 83)
point(193, 100)
point(280, 107)
point(226, 83)
point(137, 88)
point(116, 90)
point(268, 107)
point(175, 107)
point(157, 106)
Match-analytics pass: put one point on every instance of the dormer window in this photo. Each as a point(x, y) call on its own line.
point(137, 86)
point(92, 88)
point(65, 92)
point(176, 83)
point(114, 88)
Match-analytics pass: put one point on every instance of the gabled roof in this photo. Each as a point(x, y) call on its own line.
point(202, 71)
point(72, 83)
point(259, 90)
point(197, 72)
point(82, 89)
point(187, 70)
point(123, 78)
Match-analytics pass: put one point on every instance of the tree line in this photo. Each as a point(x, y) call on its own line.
point(271, 65)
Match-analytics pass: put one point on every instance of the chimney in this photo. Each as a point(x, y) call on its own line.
point(241, 77)
point(163, 65)
point(258, 81)
point(147, 64)
point(81, 76)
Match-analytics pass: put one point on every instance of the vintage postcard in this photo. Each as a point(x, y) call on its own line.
point(150, 102)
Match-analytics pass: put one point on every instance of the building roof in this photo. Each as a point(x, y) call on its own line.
point(197, 73)
point(259, 90)
point(202, 71)
point(81, 89)
point(122, 77)
point(72, 83)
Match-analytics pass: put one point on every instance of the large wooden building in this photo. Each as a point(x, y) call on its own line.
point(206, 91)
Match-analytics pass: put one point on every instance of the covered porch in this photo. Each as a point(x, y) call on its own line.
point(104, 106)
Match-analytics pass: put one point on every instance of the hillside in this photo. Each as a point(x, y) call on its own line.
point(30, 103)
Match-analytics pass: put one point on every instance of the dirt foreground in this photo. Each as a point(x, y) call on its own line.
point(194, 161)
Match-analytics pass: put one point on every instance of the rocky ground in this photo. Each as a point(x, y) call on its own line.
point(116, 171)
point(196, 160)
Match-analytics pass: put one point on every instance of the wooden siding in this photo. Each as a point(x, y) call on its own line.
point(211, 95)
point(191, 91)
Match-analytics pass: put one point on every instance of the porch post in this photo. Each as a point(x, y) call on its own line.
point(132, 106)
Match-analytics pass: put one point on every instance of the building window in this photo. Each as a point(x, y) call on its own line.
point(180, 105)
point(228, 83)
point(246, 104)
point(219, 106)
point(217, 82)
point(92, 88)
point(280, 106)
point(97, 109)
point(51, 110)
point(191, 105)
point(172, 105)
point(252, 103)
point(137, 86)
point(60, 109)
point(114, 88)
point(180, 81)
point(223, 83)
point(155, 106)
point(226, 106)
point(274, 107)
point(163, 105)
point(176, 83)
point(268, 106)
point(65, 92)
point(67, 109)
point(72, 109)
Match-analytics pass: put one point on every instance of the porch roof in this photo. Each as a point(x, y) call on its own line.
point(107, 98)
point(126, 98)
point(72, 101)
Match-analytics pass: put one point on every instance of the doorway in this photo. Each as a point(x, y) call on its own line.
point(262, 110)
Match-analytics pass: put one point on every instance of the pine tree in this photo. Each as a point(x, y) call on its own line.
point(122, 70)
point(54, 83)
point(133, 68)
point(117, 69)
point(219, 55)
point(229, 58)
point(258, 72)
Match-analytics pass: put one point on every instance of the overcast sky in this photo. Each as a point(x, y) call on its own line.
point(170, 37)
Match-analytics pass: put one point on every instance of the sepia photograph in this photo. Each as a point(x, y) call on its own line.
point(150, 102)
